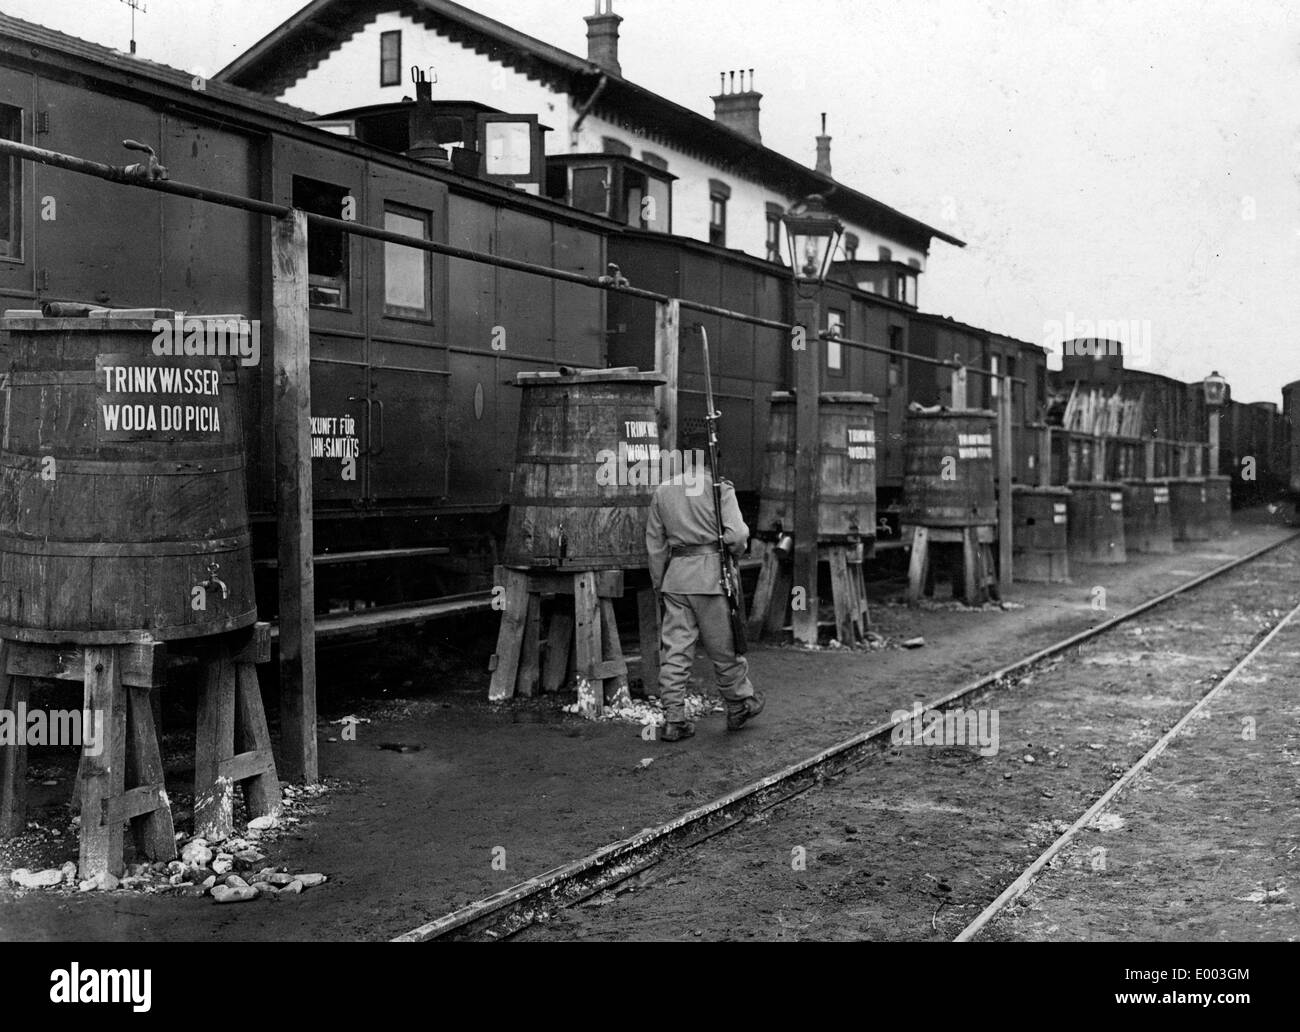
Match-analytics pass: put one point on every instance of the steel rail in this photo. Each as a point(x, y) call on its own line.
point(511, 910)
point(1018, 887)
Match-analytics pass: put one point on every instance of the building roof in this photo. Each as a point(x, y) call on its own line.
point(302, 42)
point(19, 38)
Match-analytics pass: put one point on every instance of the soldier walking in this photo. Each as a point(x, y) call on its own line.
point(682, 542)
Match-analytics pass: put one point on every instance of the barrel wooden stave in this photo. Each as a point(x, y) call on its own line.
point(110, 548)
point(846, 508)
point(1147, 526)
point(1096, 522)
point(560, 513)
point(1218, 505)
point(1040, 533)
point(1188, 514)
point(967, 500)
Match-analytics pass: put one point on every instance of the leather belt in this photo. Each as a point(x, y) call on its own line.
point(683, 550)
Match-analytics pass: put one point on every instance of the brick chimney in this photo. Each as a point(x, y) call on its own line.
point(602, 38)
point(823, 150)
point(738, 108)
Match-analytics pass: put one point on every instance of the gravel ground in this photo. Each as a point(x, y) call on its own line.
point(914, 843)
point(487, 795)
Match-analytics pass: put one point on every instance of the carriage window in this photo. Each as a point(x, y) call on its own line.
point(994, 381)
point(11, 186)
point(508, 148)
point(406, 269)
point(327, 249)
point(390, 58)
point(834, 350)
point(659, 214)
point(591, 189)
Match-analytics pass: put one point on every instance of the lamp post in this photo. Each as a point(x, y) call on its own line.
point(811, 233)
point(1216, 393)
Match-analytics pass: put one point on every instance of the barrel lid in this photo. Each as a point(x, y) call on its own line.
point(1083, 485)
point(943, 412)
point(830, 397)
point(1031, 489)
point(566, 375)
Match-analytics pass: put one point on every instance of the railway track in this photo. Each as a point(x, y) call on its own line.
point(609, 879)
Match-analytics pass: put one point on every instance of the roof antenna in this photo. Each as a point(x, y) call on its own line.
point(135, 5)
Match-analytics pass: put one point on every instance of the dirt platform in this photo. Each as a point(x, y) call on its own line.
point(496, 794)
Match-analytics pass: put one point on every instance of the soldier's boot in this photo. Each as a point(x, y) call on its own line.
point(743, 710)
point(676, 730)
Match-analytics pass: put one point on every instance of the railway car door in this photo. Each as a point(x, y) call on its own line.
point(408, 372)
point(332, 184)
point(17, 194)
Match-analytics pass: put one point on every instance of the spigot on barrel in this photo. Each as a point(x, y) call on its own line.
point(213, 567)
point(149, 169)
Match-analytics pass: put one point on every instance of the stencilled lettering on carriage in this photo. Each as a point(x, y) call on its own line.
point(965, 727)
point(24, 726)
point(209, 336)
point(132, 986)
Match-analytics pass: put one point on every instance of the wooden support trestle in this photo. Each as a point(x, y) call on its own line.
point(580, 641)
point(120, 778)
point(979, 575)
point(230, 712)
point(119, 745)
point(773, 595)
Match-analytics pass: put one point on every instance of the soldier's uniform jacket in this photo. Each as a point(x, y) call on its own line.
point(681, 515)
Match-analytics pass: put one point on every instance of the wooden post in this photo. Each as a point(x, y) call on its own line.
point(1044, 442)
point(1149, 457)
point(1213, 468)
point(292, 357)
point(104, 774)
point(1099, 458)
point(958, 384)
point(13, 757)
point(807, 377)
point(667, 328)
point(1005, 460)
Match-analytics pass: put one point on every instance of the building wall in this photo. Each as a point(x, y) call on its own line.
point(349, 77)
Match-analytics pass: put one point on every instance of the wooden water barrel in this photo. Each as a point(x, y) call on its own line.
point(1188, 498)
point(1040, 522)
point(587, 463)
point(121, 488)
point(1096, 522)
point(1218, 505)
point(948, 469)
point(1147, 526)
point(846, 510)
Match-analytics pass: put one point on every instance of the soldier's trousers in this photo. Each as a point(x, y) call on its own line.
point(702, 618)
